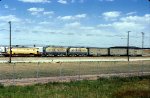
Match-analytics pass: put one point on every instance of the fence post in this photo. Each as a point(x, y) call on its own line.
point(129, 67)
point(114, 66)
point(98, 69)
point(60, 71)
point(79, 71)
point(37, 73)
point(142, 68)
point(13, 73)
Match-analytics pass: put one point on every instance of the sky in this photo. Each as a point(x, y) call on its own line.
point(88, 23)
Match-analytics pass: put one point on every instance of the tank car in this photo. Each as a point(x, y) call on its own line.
point(23, 51)
point(55, 51)
point(77, 51)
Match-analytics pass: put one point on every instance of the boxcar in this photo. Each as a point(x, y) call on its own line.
point(98, 51)
point(146, 52)
point(77, 51)
point(118, 51)
point(55, 51)
point(135, 52)
point(23, 51)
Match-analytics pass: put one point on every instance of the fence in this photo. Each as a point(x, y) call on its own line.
point(29, 73)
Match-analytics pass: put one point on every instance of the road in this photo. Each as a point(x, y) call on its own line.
point(68, 59)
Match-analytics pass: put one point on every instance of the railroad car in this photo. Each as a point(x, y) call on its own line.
point(98, 51)
point(55, 51)
point(118, 51)
point(135, 52)
point(41, 50)
point(2, 51)
point(77, 51)
point(23, 51)
point(72, 51)
point(146, 52)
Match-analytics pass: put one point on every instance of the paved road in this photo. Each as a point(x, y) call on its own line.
point(69, 59)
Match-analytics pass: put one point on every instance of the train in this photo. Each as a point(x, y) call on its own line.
point(56, 51)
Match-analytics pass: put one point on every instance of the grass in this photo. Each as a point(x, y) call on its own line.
point(115, 87)
point(29, 70)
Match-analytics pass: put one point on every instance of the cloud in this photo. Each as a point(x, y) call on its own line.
point(131, 13)
point(65, 17)
point(6, 6)
point(48, 13)
point(134, 23)
point(78, 1)
point(112, 15)
point(44, 23)
point(40, 11)
point(62, 1)
point(35, 1)
point(110, 0)
point(72, 1)
point(128, 26)
point(129, 23)
point(137, 19)
point(73, 25)
point(7, 18)
point(75, 17)
point(80, 16)
point(104, 25)
point(35, 11)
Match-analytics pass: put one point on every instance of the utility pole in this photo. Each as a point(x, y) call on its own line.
point(128, 39)
point(142, 40)
point(142, 50)
point(149, 40)
point(10, 41)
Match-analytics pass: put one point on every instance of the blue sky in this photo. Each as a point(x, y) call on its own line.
point(94, 23)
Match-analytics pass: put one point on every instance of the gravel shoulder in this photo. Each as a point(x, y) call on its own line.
point(69, 59)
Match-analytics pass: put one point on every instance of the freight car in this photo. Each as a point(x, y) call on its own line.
point(73, 51)
point(135, 52)
point(41, 50)
point(122, 51)
point(118, 51)
point(55, 51)
point(146, 52)
point(2, 51)
point(98, 51)
point(23, 51)
point(77, 51)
